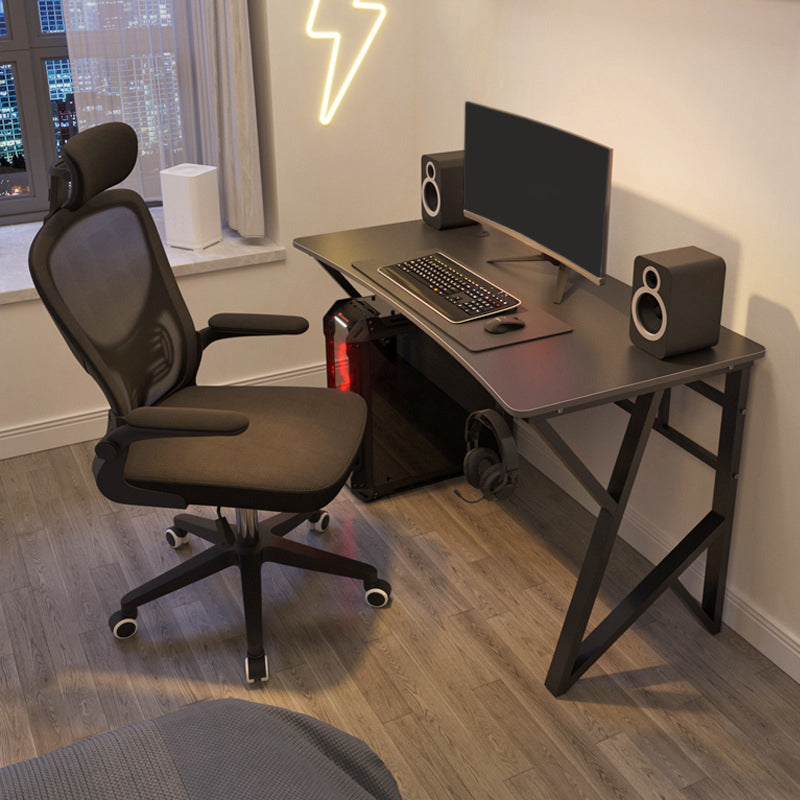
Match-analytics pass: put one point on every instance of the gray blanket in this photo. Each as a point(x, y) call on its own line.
point(216, 750)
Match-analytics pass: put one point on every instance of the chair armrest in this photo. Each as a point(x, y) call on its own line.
point(154, 422)
point(225, 326)
point(191, 421)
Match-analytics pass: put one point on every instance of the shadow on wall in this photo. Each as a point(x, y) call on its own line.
point(769, 503)
point(639, 225)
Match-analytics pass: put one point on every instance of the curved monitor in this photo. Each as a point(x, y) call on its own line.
point(545, 186)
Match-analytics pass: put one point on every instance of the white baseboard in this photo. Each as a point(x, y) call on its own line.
point(49, 433)
point(46, 434)
point(313, 375)
point(756, 627)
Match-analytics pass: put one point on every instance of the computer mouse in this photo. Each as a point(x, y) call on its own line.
point(503, 324)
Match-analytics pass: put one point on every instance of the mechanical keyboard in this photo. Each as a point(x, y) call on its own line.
point(450, 288)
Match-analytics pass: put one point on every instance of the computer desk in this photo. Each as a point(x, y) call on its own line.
point(592, 365)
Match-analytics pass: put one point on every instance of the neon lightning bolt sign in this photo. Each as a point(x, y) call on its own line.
point(329, 107)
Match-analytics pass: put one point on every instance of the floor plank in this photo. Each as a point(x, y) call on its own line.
point(446, 684)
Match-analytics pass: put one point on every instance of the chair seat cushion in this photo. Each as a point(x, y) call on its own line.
point(232, 749)
point(295, 455)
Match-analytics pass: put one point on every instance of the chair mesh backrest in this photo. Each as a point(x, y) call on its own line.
point(102, 273)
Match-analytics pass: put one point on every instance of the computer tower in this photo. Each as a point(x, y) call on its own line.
point(418, 396)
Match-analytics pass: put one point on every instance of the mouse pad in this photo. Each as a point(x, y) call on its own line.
point(538, 323)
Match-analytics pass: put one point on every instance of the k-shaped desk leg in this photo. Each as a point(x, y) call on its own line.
point(345, 284)
point(569, 661)
point(574, 654)
point(729, 451)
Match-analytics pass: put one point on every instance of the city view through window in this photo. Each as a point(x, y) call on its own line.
point(14, 178)
point(124, 67)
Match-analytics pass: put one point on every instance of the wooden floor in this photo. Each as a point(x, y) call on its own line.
point(446, 684)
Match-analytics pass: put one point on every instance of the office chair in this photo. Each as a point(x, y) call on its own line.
point(102, 273)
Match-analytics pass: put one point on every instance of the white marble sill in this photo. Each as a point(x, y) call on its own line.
point(233, 251)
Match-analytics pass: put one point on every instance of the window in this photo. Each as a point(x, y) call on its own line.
point(124, 67)
point(37, 110)
point(177, 71)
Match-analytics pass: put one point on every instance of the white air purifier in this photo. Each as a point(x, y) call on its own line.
point(191, 206)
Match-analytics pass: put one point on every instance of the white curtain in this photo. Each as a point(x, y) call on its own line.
point(123, 61)
point(219, 104)
point(180, 73)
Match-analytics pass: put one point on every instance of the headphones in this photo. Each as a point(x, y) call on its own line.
point(494, 474)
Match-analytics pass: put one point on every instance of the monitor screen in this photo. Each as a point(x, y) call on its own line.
point(545, 186)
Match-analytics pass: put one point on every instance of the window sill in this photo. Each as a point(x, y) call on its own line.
point(233, 251)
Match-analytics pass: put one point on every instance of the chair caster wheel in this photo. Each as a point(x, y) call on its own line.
point(319, 522)
point(176, 537)
point(256, 670)
point(122, 625)
point(377, 592)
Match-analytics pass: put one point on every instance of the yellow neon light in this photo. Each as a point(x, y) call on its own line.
point(328, 107)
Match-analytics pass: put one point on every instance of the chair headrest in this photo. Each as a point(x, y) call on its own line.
point(98, 158)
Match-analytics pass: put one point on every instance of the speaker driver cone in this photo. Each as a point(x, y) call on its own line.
point(649, 314)
point(431, 198)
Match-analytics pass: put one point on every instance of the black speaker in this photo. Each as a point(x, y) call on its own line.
point(442, 190)
point(493, 470)
point(676, 302)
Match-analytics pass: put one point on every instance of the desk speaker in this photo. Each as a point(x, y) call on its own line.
point(676, 302)
point(442, 190)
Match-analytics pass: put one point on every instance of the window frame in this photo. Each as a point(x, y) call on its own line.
point(26, 48)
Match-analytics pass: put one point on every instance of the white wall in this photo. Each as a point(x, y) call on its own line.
point(699, 100)
point(361, 169)
point(701, 103)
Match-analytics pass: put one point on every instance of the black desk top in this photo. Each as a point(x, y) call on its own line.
point(593, 364)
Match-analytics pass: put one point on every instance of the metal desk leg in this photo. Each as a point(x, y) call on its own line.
point(734, 408)
point(345, 284)
point(574, 654)
point(566, 666)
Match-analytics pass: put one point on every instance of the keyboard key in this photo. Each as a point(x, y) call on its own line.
point(450, 288)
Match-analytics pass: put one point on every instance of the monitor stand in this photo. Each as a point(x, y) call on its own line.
point(562, 279)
